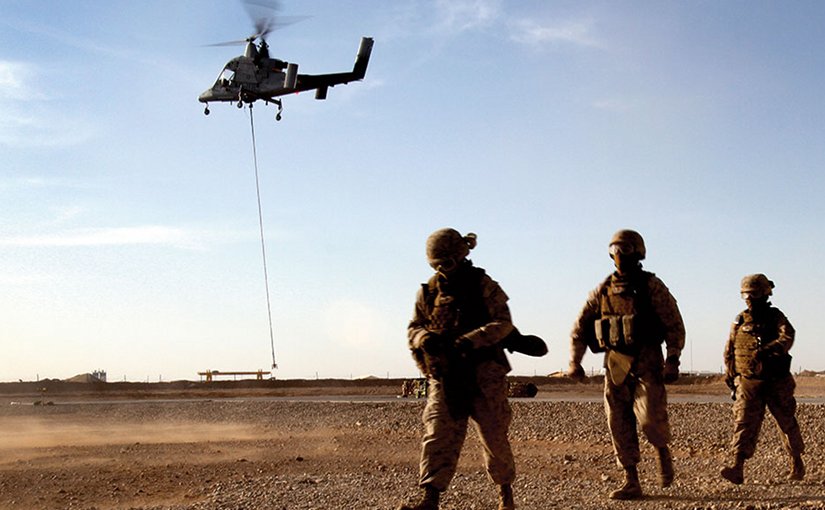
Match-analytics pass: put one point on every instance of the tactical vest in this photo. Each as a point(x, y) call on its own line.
point(750, 335)
point(456, 306)
point(627, 320)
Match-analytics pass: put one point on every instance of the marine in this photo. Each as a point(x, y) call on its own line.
point(758, 370)
point(628, 316)
point(457, 337)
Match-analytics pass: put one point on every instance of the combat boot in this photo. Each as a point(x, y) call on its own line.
point(798, 468)
point(429, 501)
point(631, 489)
point(505, 494)
point(665, 467)
point(736, 473)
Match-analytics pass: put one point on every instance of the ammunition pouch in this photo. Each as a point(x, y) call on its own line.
point(618, 332)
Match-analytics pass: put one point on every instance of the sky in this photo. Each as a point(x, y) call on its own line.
point(129, 234)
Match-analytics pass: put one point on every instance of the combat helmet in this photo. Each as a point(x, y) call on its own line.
point(626, 242)
point(447, 247)
point(757, 285)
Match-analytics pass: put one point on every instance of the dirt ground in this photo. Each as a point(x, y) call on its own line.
point(343, 445)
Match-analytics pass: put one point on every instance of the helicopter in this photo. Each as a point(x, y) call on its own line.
point(256, 76)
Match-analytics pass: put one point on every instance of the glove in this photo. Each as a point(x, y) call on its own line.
point(432, 344)
point(671, 370)
point(575, 371)
point(730, 382)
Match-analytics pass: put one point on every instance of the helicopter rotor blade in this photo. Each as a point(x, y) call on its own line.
point(262, 13)
point(228, 43)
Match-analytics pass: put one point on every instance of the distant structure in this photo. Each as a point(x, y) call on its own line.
point(210, 374)
point(99, 375)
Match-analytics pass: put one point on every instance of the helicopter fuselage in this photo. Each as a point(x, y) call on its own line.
point(255, 76)
point(243, 79)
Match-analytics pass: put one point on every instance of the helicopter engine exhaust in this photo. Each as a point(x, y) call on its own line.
point(291, 77)
point(321, 93)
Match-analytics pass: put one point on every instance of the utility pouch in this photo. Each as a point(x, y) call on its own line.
point(616, 331)
point(628, 329)
point(616, 334)
point(602, 327)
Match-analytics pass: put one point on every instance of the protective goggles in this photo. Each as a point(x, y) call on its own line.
point(444, 265)
point(621, 249)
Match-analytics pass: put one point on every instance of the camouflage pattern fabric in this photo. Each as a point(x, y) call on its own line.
point(641, 397)
point(663, 305)
point(486, 405)
point(752, 397)
point(444, 434)
point(757, 338)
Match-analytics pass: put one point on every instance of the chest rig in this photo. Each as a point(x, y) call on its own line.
point(627, 321)
point(751, 334)
point(456, 305)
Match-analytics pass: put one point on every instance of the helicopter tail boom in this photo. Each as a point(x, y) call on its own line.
point(359, 70)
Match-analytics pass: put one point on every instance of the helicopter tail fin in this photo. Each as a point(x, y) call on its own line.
point(359, 70)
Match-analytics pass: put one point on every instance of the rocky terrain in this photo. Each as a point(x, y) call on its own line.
point(248, 449)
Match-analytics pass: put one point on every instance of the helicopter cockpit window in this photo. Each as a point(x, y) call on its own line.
point(226, 77)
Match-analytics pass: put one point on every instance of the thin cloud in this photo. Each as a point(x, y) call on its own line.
point(37, 127)
point(576, 33)
point(463, 15)
point(16, 82)
point(117, 236)
point(26, 120)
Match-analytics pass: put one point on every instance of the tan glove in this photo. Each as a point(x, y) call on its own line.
point(671, 370)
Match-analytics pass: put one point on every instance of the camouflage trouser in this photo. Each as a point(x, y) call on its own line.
point(641, 398)
point(752, 396)
point(490, 412)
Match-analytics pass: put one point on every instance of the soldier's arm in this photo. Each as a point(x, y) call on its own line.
point(584, 332)
point(665, 307)
point(416, 330)
point(501, 324)
point(785, 331)
point(730, 351)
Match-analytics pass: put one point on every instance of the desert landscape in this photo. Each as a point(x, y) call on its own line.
point(354, 444)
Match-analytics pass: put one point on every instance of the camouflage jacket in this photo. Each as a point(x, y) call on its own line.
point(757, 343)
point(662, 306)
point(487, 334)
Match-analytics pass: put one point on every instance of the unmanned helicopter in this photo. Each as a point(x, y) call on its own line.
point(256, 76)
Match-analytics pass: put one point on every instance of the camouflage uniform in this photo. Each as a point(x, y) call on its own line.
point(483, 398)
point(757, 359)
point(640, 395)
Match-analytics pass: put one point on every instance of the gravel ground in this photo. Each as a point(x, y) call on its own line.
point(261, 454)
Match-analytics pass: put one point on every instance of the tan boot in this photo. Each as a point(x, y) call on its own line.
point(665, 467)
point(736, 473)
point(429, 501)
point(505, 493)
point(631, 489)
point(798, 469)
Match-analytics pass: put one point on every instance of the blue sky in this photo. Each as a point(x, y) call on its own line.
point(129, 229)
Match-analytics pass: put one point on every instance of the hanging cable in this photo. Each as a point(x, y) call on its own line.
point(263, 243)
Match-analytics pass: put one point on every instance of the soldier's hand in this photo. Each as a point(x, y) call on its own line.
point(432, 344)
point(575, 371)
point(671, 370)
